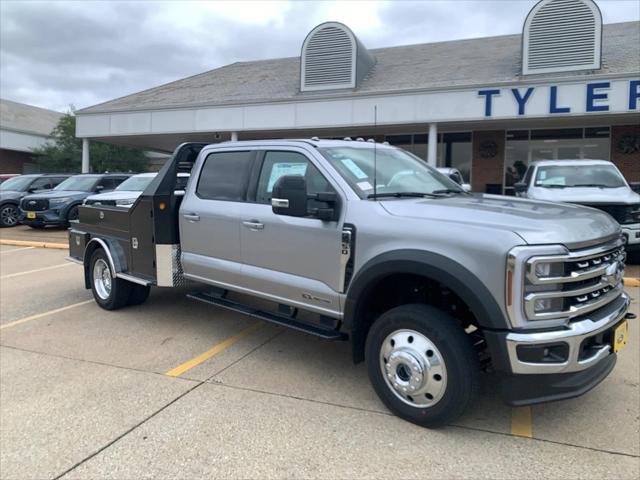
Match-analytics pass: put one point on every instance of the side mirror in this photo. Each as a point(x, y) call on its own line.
point(466, 187)
point(520, 187)
point(290, 196)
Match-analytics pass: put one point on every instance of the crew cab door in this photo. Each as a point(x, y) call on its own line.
point(210, 218)
point(291, 260)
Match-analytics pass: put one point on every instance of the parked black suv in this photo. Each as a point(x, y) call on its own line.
point(14, 189)
point(60, 205)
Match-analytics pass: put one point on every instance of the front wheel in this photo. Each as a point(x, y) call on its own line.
point(9, 215)
point(73, 214)
point(422, 365)
point(109, 292)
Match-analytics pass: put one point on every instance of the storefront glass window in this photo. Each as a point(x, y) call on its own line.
point(525, 146)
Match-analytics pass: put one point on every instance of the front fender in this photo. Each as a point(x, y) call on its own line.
point(437, 267)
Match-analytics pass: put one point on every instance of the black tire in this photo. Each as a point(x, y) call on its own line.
point(36, 226)
point(138, 294)
point(9, 215)
point(454, 347)
point(119, 290)
point(73, 213)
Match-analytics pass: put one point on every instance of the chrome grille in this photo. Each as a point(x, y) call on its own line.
point(579, 282)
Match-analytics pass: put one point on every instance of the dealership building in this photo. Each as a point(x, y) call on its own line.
point(568, 87)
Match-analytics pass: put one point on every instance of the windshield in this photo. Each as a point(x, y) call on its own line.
point(82, 183)
point(567, 176)
point(16, 184)
point(135, 184)
point(397, 172)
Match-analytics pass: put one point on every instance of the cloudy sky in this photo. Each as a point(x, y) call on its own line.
point(55, 54)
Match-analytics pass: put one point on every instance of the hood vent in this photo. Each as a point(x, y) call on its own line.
point(562, 36)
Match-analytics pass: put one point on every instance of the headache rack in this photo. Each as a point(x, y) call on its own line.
point(142, 241)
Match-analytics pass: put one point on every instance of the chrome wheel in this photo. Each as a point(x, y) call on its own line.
point(413, 368)
point(9, 216)
point(102, 280)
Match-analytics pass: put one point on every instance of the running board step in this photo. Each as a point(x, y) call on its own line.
point(282, 320)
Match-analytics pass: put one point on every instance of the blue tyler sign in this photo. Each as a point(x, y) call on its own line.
point(597, 96)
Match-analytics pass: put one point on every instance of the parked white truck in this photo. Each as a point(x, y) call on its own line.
point(428, 283)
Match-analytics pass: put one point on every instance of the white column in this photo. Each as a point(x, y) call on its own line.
point(234, 136)
point(432, 152)
point(85, 155)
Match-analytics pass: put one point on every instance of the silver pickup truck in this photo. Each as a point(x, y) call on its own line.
point(430, 284)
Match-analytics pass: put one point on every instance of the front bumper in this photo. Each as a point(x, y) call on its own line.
point(55, 217)
point(631, 234)
point(584, 356)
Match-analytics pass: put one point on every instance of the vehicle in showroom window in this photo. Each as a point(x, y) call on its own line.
point(592, 183)
point(59, 206)
point(430, 284)
point(14, 189)
point(455, 175)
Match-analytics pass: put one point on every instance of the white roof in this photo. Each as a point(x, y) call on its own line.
point(544, 163)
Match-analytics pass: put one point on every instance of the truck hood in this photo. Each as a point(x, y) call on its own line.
point(534, 221)
point(48, 195)
point(586, 195)
point(115, 195)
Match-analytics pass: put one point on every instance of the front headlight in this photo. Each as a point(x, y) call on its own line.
point(521, 282)
point(125, 202)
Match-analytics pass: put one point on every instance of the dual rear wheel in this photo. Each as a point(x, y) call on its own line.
point(109, 291)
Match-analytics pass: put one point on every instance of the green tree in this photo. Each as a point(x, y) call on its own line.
point(64, 153)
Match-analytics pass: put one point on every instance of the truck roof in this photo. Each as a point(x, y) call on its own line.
point(544, 163)
point(315, 142)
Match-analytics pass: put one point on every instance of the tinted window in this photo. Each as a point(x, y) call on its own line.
point(57, 181)
point(224, 176)
point(277, 164)
point(41, 184)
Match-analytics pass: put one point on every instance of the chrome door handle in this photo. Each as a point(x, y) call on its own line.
point(253, 225)
point(192, 217)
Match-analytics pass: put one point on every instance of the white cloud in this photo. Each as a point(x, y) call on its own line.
point(53, 54)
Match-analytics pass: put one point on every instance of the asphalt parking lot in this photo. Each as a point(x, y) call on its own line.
point(174, 388)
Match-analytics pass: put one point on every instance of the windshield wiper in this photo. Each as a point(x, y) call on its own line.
point(553, 185)
point(401, 194)
point(449, 190)
point(600, 185)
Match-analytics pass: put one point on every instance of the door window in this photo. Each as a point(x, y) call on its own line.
point(225, 176)
point(278, 164)
point(41, 184)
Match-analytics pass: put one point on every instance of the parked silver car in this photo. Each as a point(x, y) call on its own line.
point(593, 183)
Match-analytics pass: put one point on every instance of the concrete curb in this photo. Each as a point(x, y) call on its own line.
point(24, 243)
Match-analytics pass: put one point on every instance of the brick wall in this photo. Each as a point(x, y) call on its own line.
point(487, 170)
point(629, 164)
point(13, 162)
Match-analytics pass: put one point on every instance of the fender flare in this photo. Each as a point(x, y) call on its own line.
point(115, 255)
point(438, 267)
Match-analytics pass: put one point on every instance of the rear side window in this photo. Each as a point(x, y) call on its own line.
point(41, 184)
point(225, 176)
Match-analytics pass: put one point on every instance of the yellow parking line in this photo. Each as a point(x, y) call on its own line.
point(521, 422)
point(194, 362)
point(16, 250)
point(43, 314)
point(25, 243)
point(11, 275)
point(631, 282)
